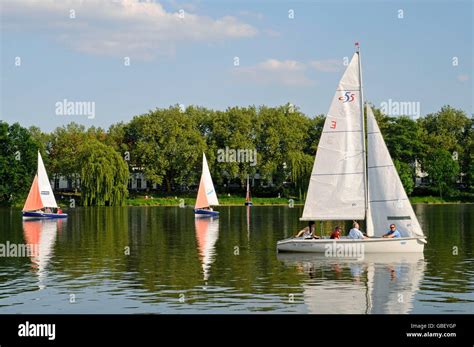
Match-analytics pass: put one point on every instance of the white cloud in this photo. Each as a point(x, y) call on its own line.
point(328, 65)
point(134, 28)
point(273, 71)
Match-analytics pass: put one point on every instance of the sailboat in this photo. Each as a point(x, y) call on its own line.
point(346, 186)
point(207, 196)
point(248, 200)
point(40, 201)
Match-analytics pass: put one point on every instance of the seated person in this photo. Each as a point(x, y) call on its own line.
point(308, 232)
point(393, 232)
point(336, 234)
point(355, 233)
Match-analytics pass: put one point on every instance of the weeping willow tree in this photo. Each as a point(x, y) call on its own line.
point(301, 165)
point(104, 175)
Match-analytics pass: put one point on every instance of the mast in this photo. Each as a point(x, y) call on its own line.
point(247, 198)
point(364, 150)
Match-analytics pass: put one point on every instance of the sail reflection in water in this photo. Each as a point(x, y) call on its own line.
point(40, 235)
point(380, 283)
point(207, 233)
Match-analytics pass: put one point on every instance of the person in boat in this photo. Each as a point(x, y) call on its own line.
point(355, 233)
point(393, 232)
point(336, 234)
point(47, 210)
point(308, 232)
point(59, 211)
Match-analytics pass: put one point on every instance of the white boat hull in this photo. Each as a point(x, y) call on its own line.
point(375, 245)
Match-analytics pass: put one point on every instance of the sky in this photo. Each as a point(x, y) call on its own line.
point(126, 57)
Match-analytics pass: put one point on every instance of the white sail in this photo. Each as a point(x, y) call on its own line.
point(46, 193)
point(209, 186)
point(336, 188)
point(388, 201)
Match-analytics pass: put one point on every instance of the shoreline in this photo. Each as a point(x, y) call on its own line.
point(239, 201)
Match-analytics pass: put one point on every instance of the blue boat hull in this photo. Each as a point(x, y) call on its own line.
point(43, 215)
point(205, 213)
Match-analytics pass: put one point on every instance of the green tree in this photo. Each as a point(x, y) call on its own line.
point(449, 129)
point(442, 170)
point(405, 171)
point(18, 162)
point(283, 135)
point(233, 129)
point(104, 175)
point(167, 145)
point(66, 145)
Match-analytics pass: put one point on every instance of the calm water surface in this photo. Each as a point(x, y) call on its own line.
point(160, 260)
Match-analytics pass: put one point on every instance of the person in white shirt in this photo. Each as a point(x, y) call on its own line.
point(355, 233)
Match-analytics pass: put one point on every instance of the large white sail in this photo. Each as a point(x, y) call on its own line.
point(46, 193)
point(209, 186)
point(388, 200)
point(337, 188)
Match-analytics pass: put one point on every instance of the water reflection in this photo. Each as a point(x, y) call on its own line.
point(380, 283)
point(247, 213)
point(140, 259)
point(40, 236)
point(207, 233)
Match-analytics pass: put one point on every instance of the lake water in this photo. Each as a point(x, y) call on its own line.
point(160, 260)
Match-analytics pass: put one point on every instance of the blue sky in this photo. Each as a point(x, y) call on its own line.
point(190, 60)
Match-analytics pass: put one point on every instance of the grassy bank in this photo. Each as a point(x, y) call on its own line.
point(462, 199)
point(257, 201)
point(223, 200)
point(237, 200)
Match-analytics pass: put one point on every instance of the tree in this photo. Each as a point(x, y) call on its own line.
point(18, 162)
point(104, 175)
point(66, 145)
point(283, 135)
point(167, 146)
point(449, 129)
point(442, 170)
point(233, 129)
point(405, 171)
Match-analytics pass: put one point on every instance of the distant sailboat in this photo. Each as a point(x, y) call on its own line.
point(40, 200)
point(343, 187)
point(248, 200)
point(207, 196)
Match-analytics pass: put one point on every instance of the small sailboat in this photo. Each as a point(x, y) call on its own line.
point(248, 200)
point(40, 202)
point(207, 196)
point(344, 187)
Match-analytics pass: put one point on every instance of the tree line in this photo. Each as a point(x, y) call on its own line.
point(166, 144)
